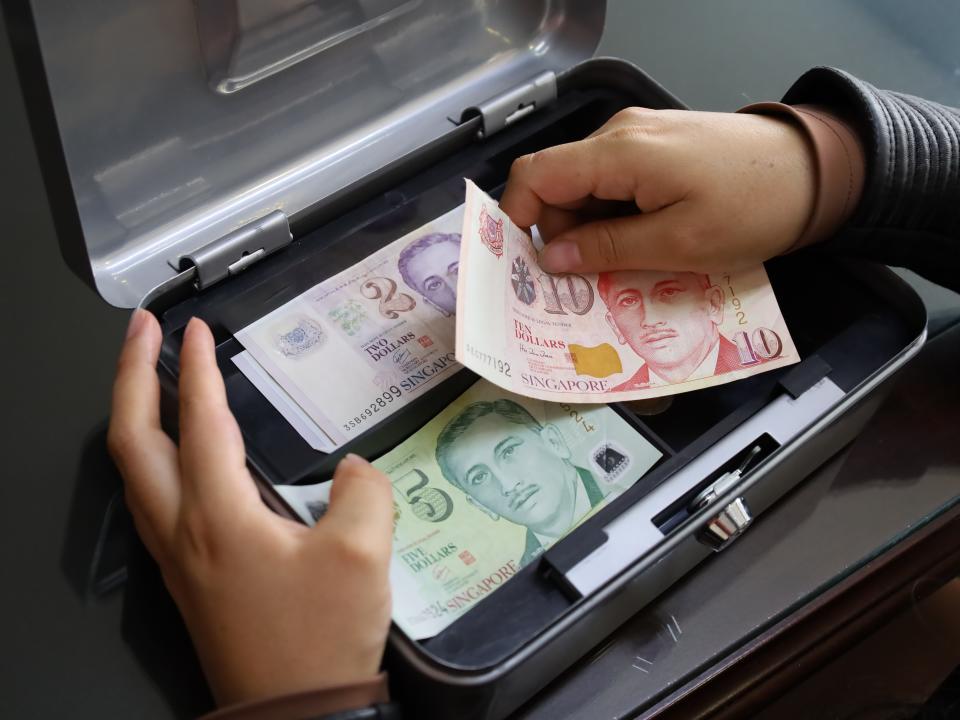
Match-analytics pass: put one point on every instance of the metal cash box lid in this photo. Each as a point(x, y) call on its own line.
point(181, 122)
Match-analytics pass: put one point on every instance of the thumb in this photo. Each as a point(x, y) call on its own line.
point(361, 503)
point(646, 241)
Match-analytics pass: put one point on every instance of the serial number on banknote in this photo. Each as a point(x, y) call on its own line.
point(501, 366)
point(385, 400)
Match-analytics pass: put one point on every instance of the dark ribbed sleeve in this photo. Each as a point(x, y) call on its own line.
point(909, 214)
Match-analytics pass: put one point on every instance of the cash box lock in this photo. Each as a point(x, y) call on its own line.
point(726, 526)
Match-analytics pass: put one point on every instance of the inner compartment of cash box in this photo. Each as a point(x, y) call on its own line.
point(844, 321)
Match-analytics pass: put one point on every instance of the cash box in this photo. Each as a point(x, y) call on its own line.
point(219, 157)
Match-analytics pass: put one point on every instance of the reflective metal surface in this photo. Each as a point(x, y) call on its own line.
point(182, 121)
point(735, 518)
point(244, 42)
point(725, 527)
point(68, 652)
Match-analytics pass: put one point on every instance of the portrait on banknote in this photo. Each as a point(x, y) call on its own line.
point(519, 470)
point(672, 321)
point(488, 485)
point(429, 266)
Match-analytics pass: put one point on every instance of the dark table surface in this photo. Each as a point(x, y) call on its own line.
point(68, 652)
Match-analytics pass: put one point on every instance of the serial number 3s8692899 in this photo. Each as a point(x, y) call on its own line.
point(382, 401)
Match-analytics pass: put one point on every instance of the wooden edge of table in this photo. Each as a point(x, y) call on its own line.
point(799, 644)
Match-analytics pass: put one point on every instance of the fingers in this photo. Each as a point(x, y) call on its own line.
point(627, 163)
point(361, 504)
point(554, 221)
point(564, 175)
point(211, 446)
point(147, 458)
point(652, 241)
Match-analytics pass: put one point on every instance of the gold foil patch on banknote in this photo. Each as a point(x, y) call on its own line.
point(599, 361)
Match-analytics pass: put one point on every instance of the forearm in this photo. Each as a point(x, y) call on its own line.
point(909, 211)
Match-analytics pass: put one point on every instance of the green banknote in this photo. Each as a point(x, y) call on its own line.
point(487, 486)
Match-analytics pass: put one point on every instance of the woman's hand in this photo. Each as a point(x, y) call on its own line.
point(273, 607)
point(716, 191)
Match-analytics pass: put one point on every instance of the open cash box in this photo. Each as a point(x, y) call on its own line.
point(219, 157)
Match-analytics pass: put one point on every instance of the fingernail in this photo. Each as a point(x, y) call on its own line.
point(136, 322)
point(191, 327)
point(352, 459)
point(560, 255)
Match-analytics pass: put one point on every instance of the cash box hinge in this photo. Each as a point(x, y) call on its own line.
point(238, 250)
point(503, 110)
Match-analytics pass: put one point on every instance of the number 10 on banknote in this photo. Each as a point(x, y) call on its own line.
point(625, 335)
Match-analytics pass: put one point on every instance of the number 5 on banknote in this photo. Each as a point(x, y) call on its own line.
point(428, 503)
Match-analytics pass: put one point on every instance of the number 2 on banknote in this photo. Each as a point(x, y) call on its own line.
point(737, 305)
point(564, 293)
point(385, 290)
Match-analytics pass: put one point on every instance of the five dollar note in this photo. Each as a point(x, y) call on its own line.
point(484, 489)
